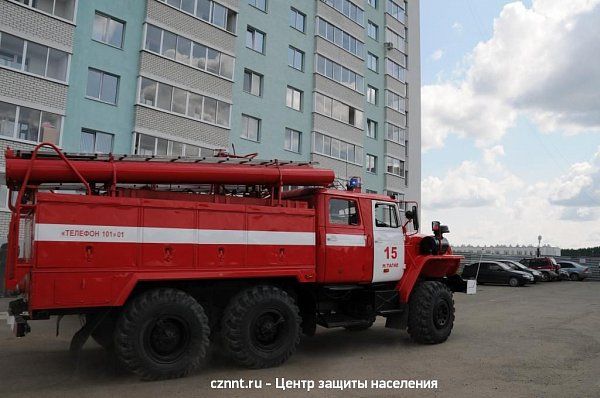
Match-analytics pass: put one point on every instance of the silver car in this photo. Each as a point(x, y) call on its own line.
point(574, 271)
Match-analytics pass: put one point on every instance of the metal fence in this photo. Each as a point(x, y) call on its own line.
point(592, 262)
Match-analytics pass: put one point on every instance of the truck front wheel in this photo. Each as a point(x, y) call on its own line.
point(261, 327)
point(162, 334)
point(431, 313)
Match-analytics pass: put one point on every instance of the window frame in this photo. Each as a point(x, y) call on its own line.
point(372, 25)
point(211, 15)
point(295, 51)
point(375, 129)
point(358, 223)
point(294, 11)
point(16, 123)
point(95, 133)
point(52, 14)
point(292, 132)
point(24, 56)
point(102, 74)
point(194, 44)
point(294, 91)
point(260, 82)
point(253, 32)
point(189, 95)
point(368, 158)
point(258, 128)
point(252, 3)
point(371, 94)
point(105, 33)
point(370, 59)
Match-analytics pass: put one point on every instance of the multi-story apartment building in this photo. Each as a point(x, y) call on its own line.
point(331, 81)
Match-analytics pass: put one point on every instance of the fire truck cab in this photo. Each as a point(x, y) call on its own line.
point(163, 257)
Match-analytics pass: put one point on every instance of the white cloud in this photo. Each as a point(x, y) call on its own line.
point(437, 54)
point(457, 27)
point(485, 204)
point(541, 62)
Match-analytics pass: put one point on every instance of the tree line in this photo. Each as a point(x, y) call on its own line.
point(586, 252)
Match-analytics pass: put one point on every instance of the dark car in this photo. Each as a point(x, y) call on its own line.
point(496, 272)
point(546, 265)
point(537, 275)
point(576, 271)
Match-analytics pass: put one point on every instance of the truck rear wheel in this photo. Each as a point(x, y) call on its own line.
point(261, 327)
point(162, 334)
point(431, 313)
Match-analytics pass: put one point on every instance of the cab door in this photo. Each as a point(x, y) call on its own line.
point(346, 255)
point(388, 242)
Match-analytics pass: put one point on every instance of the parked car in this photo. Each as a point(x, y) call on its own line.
point(546, 265)
point(496, 272)
point(575, 271)
point(537, 275)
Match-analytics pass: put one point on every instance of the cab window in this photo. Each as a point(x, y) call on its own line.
point(386, 215)
point(343, 212)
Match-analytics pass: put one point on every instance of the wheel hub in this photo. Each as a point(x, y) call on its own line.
point(268, 330)
point(167, 339)
point(441, 314)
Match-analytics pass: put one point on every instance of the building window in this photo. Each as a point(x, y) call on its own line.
point(395, 133)
point(188, 52)
point(372, 3)
point(372, 62)
point(397, 41)
point(293, 98)
point(340, 38)
point(108, 30)
point(338, 110)
point(395, 70)
point(255, 40)
point(371, 129)
point(373, 31)
point(295, 58)
point(260, 4)
point(371, 95)
point(64, 9)
point(253, 83)
point(395, 102)
point(96, 142)
point(172, 99)
point(349, 9)
point(154, 146)
point(396, 10)
point(208, 11)
point(371, 163)
point(29, 124)
point(335, 148)
point(394, 166)
point(34, 58)
point(250, 128)
point(292, 140)
point(102, 86)
point(340, 74)
point(297, 20)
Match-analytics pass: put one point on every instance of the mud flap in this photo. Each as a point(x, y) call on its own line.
point(456, 284)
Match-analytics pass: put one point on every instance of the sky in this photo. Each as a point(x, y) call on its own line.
point(511, 120)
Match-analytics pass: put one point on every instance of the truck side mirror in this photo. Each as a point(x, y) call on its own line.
point(413, 215)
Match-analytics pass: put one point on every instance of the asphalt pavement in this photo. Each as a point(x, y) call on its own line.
point(533, 341)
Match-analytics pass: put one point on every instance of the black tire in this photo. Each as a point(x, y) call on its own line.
point(261, 327)
point(514, 282)
point(162, 334)
point(430, 313)
point(545, 277)
point(574, 277)
point(359, 328)
point(104, 333)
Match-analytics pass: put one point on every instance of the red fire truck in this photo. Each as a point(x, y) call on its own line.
point(163, 256)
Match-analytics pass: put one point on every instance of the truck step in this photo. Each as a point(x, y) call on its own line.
point(340, 288)
point(390, 312)
point(340, 320)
